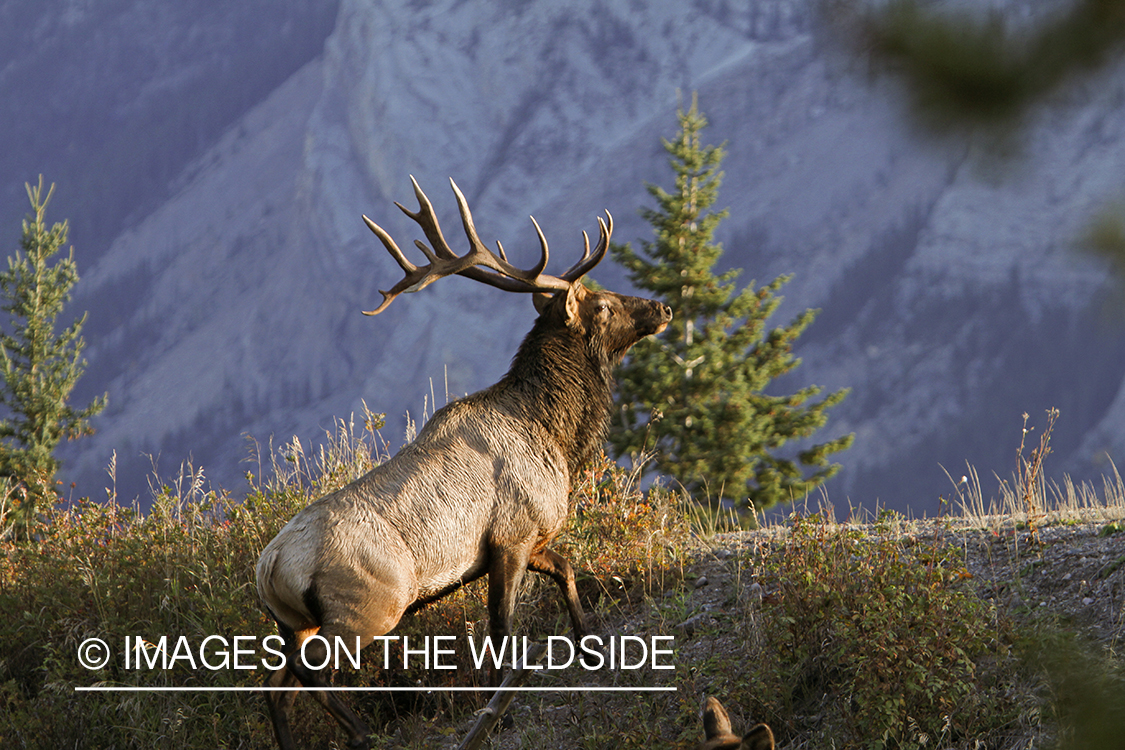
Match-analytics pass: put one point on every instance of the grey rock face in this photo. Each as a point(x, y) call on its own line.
point(952, 301)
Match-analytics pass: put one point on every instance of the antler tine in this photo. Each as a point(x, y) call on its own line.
point(498, 263)
point(589, 260)
point(467, 219)
point(427, 219)
point(544, 253)
point(415, 277)
point(389, 243)
point(507, 276)
point(543, 243)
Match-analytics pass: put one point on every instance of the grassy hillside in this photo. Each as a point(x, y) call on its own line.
point(885, 634)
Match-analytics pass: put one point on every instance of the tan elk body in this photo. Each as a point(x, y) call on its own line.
point(482, 490)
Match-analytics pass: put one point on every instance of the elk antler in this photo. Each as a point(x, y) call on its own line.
point(475, 264)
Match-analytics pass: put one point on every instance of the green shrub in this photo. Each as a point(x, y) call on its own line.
point(864, 638)
point(186, 568)
point(883, 638)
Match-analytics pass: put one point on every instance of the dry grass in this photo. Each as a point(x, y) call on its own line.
point(807, 623)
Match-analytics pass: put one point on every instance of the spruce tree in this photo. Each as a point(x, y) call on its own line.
point(38, 367)
point(694, 396)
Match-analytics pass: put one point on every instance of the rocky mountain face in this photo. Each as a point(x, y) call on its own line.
point(111, 100)
point(228, 302)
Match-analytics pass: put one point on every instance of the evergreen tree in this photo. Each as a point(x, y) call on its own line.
point(38, 367)
point(693, 396)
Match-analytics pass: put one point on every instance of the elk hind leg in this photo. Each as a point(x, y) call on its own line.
point(317, 653)
point(505, 572)
point(279, 704)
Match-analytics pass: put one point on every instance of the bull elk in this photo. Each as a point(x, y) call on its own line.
point(717, 730)
point(482, 490)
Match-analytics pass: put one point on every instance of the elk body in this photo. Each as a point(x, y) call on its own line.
point(482, 490)
point(717, 730)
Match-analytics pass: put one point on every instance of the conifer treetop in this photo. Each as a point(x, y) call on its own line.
point(39, 367)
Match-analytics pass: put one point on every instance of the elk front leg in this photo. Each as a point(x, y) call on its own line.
point(551, 563)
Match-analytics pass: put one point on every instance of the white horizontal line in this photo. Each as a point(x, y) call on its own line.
point(524, 689)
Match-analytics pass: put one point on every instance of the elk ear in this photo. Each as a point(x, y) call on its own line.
point(574, 296)
point(715, 719)
point(759, 738)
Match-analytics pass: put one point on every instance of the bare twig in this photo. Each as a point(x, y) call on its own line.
point(1030, 470)
point(496, 707)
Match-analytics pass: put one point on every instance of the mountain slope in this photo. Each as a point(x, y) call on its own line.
point(952, 302)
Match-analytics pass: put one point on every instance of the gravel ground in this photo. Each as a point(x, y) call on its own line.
point(1077, 571)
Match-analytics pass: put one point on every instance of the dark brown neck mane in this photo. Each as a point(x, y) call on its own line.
point(561, 380)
